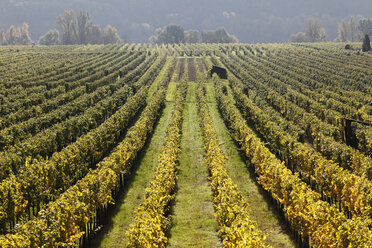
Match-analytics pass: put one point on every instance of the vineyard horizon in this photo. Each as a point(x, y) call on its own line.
point(137, 145)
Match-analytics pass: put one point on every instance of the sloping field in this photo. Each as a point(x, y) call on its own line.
point(138, 146)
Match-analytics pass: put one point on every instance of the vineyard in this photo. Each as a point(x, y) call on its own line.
point(139, 146)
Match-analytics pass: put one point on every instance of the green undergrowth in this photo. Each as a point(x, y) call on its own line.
point(113, 234)
point(158, 79)
point(262, 212)
point(193, 221)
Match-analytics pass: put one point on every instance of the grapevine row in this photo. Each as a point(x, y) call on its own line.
point(42, 181)
point(61, 134)
point(150, 223)
point(320, 133)
point(353, 191)
point(79, 80)
point(232, 209)
point(324, 225)
point(298, 77)
point(324, 113)
point(62, 222)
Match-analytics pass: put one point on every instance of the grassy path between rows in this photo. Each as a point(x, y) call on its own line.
point(261, 211)
point(114, 233)
point(193, 221)
point(158, 80)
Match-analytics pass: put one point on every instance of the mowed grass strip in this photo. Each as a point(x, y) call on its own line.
point(193, 221)
point(114, 233)
point(262, 212)
point(154, 86)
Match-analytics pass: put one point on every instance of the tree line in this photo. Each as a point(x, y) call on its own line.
point(77, 28)
point(348, 30)
point(173, 34)
point(15, 36)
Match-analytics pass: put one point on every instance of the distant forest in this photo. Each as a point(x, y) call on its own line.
point(257, 21)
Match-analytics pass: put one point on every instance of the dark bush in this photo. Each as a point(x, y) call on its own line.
point(366, 44)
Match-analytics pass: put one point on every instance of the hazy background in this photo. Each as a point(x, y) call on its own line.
point(251, 21)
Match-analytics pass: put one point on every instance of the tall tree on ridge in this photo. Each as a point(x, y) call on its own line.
point(11, 35)
point(365, 26)
point(25, 36)
point(2, 37)
point(342, 31)
point(110, 35)
point(67, 23)
point(83, 23)
point(315, 31)
point(353, 28)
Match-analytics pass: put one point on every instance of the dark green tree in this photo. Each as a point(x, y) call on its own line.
point(366, 44)
point(219, 35)
point(171, 34)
